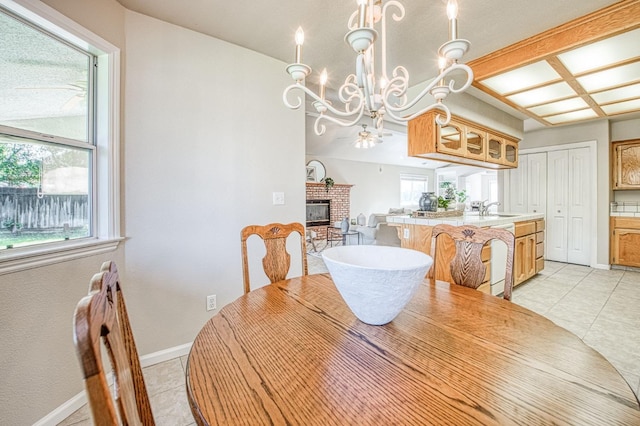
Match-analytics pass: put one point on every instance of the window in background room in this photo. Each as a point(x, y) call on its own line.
point(411, 188)
point(47, 150)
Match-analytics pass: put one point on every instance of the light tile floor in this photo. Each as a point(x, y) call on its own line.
point(601, 307)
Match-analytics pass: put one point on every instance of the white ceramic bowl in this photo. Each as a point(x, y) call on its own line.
point(376, 282)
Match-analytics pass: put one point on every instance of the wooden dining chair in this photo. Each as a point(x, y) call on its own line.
point(466, 267)
point(277, 261)
point(102, 316)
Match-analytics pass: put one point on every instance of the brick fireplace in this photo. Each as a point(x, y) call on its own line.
point(340, 203)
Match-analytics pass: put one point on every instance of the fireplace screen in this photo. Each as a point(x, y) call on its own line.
point(318, 212)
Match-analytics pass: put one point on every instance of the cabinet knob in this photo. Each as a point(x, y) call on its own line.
point(558, 211)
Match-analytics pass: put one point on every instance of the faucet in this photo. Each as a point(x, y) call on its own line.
point(483, 210)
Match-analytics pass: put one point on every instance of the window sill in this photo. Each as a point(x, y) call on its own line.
point(21, 259)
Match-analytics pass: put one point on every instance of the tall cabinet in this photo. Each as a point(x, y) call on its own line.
point(558, 183)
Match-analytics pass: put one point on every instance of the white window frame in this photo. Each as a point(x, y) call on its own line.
point(414, 177)
point(106, 185)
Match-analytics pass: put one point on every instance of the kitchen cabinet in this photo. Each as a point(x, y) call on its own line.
point(529, 250)
point(625, 241)
point(625, 157)
point(461, 141)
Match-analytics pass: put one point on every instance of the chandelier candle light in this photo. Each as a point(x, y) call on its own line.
point(373, 92)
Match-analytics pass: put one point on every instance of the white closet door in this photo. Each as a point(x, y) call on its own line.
point(557, 202)
point(579, 202)
point(537, 182)
point(518, 187)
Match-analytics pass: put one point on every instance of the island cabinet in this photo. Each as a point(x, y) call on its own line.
point(418, 237)
point(461, 141)
point(625, 241)
point(625, 167)
point(529, 250)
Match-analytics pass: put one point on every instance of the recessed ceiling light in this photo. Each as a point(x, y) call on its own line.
point(603, 53)
point(543, 95)
point(619, 94)
point(572, 116)
point(622, 107)
point(522, 78)
point(611, 78)
point(559, 107)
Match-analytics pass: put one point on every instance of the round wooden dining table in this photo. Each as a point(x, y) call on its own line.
point(292, 353)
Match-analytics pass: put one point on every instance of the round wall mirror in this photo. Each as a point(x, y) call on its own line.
point(315, 171)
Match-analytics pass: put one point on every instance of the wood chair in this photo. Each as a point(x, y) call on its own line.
point(466, 266)
point(277, 261)
point(102, 315)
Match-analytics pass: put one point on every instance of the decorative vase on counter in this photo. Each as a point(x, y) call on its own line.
point(362, 220)
point(428, 202)
point(344, 225)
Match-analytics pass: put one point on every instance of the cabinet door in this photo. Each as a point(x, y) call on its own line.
point(531, 256)
point(511, 153)
point(495, 149)
point(626, 247)
point(518, 187)
point(449, 139)
point(536, 182)
point(626, 165)
point(557, 202)
point(475, 143)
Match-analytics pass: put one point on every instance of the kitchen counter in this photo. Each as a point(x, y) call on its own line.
point(471, 218)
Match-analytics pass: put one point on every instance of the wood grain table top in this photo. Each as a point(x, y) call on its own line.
point(293, 353)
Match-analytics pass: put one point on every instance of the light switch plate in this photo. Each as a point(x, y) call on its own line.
point(278, 198)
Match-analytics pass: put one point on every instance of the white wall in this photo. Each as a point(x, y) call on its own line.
point(206, 142)
point(376, 186)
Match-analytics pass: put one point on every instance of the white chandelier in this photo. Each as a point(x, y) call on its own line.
point(374, 92)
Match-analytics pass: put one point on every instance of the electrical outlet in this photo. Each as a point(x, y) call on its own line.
point(211, 302)
point(278, 198)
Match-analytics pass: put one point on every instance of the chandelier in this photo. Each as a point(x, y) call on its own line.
point(374, 92)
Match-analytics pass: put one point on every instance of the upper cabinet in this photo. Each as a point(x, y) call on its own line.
point(461, 141)
point(625, 157)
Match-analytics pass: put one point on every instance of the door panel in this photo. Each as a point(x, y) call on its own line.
point(557, 194)
point(518, 187)
point(578, 209)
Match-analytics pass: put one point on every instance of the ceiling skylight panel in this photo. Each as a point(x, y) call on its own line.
point(543, 95)
point(600, 54)
point(572, 116)
point(559, 107)
point(611, 78)
point(522, 78)
point(622, 107)
point(621, 93)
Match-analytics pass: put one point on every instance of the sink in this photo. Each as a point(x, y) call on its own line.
point(501, 215)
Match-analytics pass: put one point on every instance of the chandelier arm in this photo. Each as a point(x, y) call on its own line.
point(437, 105)
point(285, 94)
point(466, 85)
point(383, 26)
point(337, 121)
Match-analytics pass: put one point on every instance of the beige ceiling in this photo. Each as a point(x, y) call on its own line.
point(268, 27)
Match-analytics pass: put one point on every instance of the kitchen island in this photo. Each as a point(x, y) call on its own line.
point(415, 233)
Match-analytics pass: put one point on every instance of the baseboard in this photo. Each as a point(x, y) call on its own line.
point(601, 266)
point(76, 402)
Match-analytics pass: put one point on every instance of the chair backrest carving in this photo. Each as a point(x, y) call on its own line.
point(466, 267)
point(277, 261)
point(102, 316)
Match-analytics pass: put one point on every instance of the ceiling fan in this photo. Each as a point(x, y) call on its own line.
point(367, 139)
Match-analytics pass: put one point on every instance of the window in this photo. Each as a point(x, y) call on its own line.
point(58, 166)
point(411, 188)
